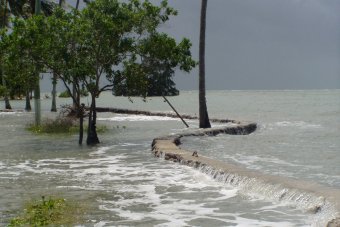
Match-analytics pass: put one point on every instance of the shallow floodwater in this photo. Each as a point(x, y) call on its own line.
point(120, 183)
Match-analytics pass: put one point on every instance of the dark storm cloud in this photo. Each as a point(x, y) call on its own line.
point(263, 44)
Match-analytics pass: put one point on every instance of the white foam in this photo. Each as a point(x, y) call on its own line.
point(101, 151)
point(299, 124)
point(148, 190)
point(121, 117)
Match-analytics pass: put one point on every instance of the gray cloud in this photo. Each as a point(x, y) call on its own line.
point(263, 44)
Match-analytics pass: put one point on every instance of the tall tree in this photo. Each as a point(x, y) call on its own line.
point(203, 111)
point(107, 39)
point(54, 81)
point(37, 101)
point(4, 23)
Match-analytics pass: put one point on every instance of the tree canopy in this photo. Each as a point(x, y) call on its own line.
point(109, 44)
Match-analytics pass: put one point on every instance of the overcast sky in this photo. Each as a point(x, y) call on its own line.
point(263, 44)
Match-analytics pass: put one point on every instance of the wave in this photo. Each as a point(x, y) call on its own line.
point(260, 187)
point(121, 117)
point(299, 124)
point(323, 202)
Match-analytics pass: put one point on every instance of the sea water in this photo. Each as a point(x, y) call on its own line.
point(120, 183)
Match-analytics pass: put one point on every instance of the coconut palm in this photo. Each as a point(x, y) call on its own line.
point(203, 112)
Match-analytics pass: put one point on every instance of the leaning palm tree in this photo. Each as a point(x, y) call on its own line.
point(203, 111)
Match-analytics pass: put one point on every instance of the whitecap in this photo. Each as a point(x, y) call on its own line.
point(299, 124)
point(121, 117)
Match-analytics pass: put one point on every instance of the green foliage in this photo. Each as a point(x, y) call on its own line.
point(2, 91)
point(47, 212)
point(59, 125)
point(109, 39)
point(66, 94)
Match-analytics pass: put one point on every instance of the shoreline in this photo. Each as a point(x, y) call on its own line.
point(309, 196)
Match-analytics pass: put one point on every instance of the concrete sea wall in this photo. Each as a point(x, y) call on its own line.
point(324, 202)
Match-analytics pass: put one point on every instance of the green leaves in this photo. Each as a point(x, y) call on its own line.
point(108, 37)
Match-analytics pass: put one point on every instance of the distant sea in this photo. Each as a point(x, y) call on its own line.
point(121, 184)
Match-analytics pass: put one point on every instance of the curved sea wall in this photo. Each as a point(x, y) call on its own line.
point(322, 201)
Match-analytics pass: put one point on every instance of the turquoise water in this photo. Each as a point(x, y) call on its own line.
point(122, 184)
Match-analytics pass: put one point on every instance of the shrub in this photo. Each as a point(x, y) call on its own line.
point(61, 125)
point(50, 212)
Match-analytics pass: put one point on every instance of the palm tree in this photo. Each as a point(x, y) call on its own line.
point(54, 82)
point(4, 23)
point(203, 112)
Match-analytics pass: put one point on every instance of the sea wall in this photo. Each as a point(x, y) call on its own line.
point(322, 201)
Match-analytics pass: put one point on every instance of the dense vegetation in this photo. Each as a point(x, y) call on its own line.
point(109, 45)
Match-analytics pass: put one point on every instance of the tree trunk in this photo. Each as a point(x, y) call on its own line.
point(4, 18)
point(28, 101)
point(203, 111)
point(92, 138)
point(54, 93)
point(3, 24)
point(37, 101)
point(6, 99)
point(77, 5)
point(81, 123)
point(75, 95)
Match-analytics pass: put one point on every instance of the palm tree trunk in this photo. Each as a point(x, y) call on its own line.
point(3, 24)
point(203, 111)
point(77, 5)
point(37, 101)
point(75, 84)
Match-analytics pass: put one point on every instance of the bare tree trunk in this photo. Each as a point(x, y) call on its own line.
point(7, 103)
point(37, 101)
point(3, 24)
point(54, 93)
point(74, 94)
point(92, 137)
point(203, 111)
point(75, 84)
point(28, 101)
point(81, 123)
point(77, 5)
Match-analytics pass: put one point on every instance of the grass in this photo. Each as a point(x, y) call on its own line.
point(61, 125)
point(48, 212)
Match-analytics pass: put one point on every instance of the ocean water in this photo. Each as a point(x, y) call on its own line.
point(120, 183)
